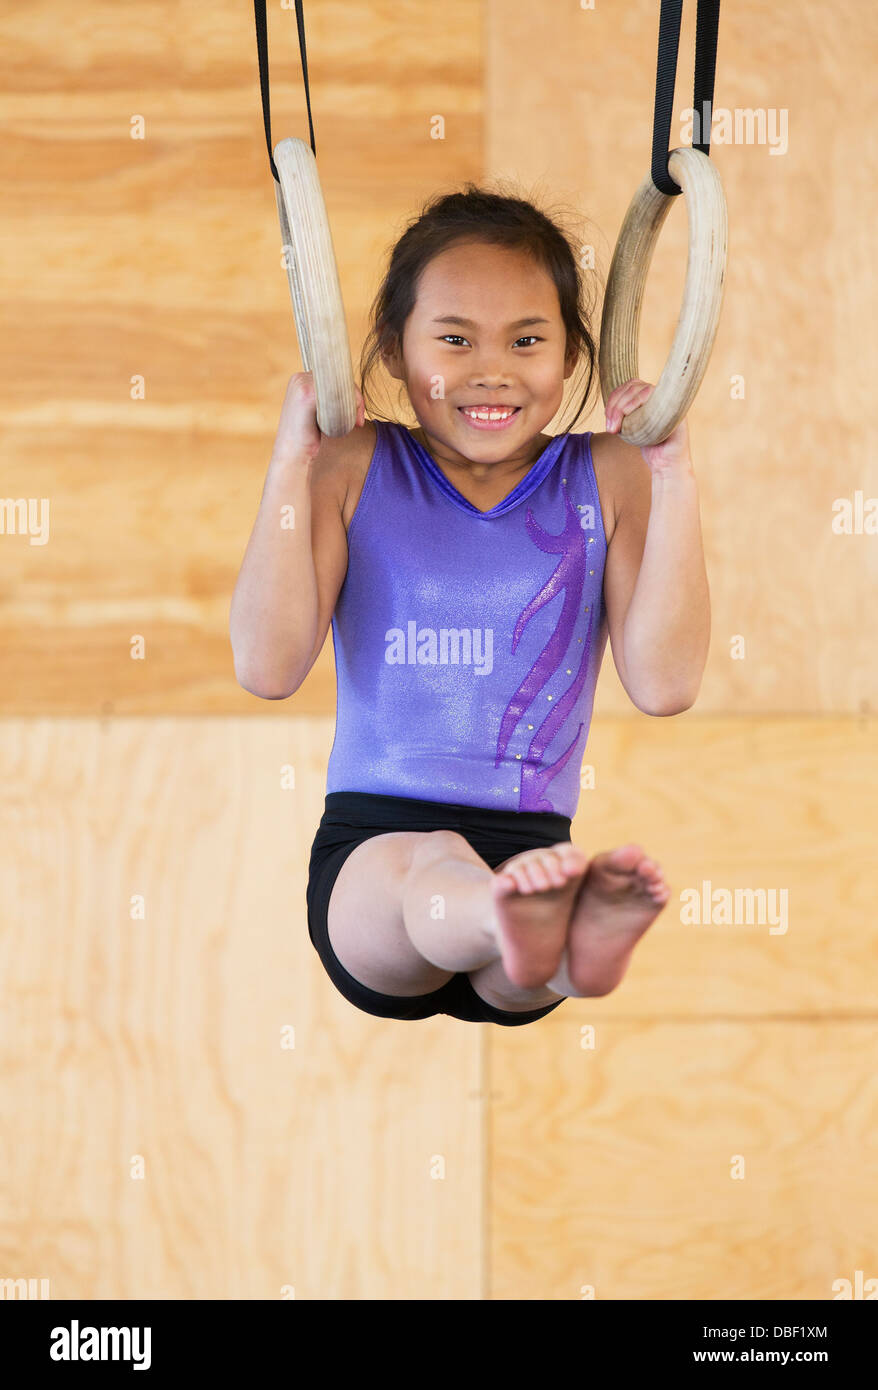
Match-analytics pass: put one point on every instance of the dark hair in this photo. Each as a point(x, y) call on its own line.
point(477, 214)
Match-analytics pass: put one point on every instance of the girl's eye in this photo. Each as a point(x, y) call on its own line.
point(528, 336)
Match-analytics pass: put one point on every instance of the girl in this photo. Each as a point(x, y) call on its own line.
point(472, 569)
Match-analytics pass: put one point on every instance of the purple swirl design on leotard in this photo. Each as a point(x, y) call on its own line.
point(568, 575)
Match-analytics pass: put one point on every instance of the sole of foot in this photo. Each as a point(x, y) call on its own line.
point(534, 893)
point(621, 895)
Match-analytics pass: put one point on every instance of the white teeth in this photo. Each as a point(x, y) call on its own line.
point(489, 414)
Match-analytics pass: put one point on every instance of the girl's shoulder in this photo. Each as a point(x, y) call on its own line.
point(603, 457)
point(621, 474)
point(359, 447)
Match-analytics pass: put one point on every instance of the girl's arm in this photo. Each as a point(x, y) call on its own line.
point(655, 582)
point(289, 579)
point(297, 556)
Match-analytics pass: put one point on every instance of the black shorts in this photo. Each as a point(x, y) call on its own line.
point(352, 817)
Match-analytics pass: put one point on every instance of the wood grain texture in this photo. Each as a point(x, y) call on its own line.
point(315, 292)
point(266, 1165)
point(160, 270)
point(714, 1160)
point(319, 1166)
point(708, 234)
point(722, 1040)
point(147, 342)
point(569, 111)
point(159, 262)
point(788, 806)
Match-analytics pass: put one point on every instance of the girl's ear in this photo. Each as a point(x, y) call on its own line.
point(392, 359)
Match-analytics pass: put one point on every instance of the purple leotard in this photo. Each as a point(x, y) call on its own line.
point(467, 643)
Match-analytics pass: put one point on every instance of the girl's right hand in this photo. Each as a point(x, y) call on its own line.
point(298, 433)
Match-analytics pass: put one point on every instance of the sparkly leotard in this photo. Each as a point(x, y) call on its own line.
point(467, 643)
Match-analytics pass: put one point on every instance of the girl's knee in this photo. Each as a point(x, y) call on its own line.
point(441, 844)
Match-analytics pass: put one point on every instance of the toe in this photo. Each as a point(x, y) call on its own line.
point(538, 876)
point(507, 882)
point(571, 854)
point(568, 863)
point(551, 866)
point(625, 859)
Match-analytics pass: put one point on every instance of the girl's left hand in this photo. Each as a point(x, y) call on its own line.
point(672, 454)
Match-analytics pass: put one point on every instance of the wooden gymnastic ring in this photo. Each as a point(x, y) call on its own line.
point(687, 361)
point(314, 286)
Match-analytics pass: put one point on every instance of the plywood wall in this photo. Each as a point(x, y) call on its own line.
point(197, 1113)
point(154, 264)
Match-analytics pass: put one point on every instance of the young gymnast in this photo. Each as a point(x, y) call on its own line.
point(472, 569)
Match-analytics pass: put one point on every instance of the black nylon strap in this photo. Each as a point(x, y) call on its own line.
point(262, 52)
point(706, 35)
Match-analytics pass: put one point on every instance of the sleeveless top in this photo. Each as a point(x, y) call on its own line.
point(467, 643)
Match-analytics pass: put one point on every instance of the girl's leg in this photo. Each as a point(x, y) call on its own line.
point(410, 908)
point(366, 919)
point(451, 901)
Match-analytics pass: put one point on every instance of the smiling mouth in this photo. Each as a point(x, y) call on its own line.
point(488, 416)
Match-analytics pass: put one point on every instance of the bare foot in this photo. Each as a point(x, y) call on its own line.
point(622, 893)
point(534, 893)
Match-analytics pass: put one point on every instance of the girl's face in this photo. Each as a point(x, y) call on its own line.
point(486, 331)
